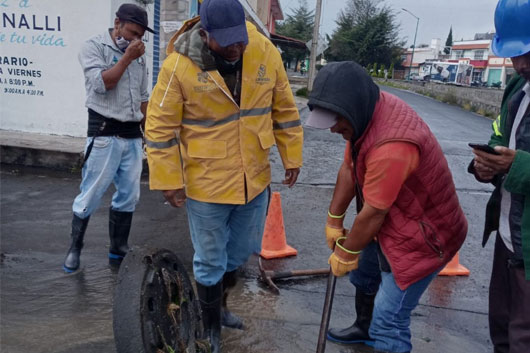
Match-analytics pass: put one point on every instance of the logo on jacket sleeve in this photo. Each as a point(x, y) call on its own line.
point(262, 72)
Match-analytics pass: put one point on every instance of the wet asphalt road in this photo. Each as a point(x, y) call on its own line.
point(44, 310)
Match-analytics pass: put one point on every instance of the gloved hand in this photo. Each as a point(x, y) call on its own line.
point(333, 233)
point(343, 260)
point(340, 266)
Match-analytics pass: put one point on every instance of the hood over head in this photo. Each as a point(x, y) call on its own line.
point(346, 88)
point(190, 44)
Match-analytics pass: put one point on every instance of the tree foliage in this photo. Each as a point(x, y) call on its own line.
point(449, 41)
point(366, 32)
point(297, 25)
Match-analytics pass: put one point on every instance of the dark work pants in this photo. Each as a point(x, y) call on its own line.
point(509, 304)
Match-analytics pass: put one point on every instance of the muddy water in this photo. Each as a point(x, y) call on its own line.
point(44, 310)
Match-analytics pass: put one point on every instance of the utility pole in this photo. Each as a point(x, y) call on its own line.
point(314, 46)
point(413, 45)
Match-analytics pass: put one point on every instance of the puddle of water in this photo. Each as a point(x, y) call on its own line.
point(45, 310)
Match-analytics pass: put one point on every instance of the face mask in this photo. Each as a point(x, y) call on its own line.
point(122, 43)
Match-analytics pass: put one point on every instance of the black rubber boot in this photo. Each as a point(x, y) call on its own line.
point(358, 332)
point(210, 299)
point(228, 319)
point(71, 262)
point(119, 228)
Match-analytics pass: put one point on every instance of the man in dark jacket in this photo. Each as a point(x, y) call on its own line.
point(508, 210)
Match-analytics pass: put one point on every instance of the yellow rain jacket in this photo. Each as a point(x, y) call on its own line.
point(198, 138)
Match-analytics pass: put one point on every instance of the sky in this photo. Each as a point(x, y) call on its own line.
point(436, 17)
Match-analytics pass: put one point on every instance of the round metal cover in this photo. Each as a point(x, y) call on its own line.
point(155, 308)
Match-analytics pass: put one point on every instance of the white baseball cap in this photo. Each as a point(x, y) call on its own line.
point(320, 118)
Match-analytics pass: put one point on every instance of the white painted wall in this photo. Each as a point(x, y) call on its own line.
point(423, 54)
point(53, 103)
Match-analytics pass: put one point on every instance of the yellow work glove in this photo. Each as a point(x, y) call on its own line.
point(340, 267)
point(333, 233)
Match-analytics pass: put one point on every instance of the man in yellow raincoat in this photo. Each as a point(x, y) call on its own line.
point(222, 100)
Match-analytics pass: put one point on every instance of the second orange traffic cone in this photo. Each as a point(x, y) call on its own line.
point(274, 244)
point(453, 268)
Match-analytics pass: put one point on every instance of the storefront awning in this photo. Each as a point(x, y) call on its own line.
point(284, 41)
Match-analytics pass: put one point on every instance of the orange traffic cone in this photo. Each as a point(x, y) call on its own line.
point(273, 244)
point(453, 268)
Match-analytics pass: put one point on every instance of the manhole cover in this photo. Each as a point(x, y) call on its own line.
point(155, 308)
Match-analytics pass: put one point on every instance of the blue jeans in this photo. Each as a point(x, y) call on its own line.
point(390, 326)
point(367, 277)
point(113, 159)
point(224, 235)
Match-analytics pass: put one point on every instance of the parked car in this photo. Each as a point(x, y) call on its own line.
point(478, 83)
point(415, 77)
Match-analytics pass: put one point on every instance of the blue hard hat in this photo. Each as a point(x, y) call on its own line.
point(512, 23)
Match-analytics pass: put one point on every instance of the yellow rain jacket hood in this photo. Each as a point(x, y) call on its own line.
point(199, 139)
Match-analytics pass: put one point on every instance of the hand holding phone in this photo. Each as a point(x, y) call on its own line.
point(483, 147)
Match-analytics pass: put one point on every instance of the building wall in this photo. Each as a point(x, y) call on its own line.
point(486, 100)
point(261, 8)
point(472, 54)
point(41, 82)
point(172, 14)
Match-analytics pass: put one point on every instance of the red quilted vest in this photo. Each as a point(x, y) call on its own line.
point(425, 226)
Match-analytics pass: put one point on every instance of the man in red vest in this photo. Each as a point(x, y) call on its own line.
point(407, 204)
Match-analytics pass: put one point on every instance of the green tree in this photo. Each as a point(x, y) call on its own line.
point(382, 71)
point(391, 71)
point(376, 70)
point(367, 31)
point(297, 25)
point(449, 41)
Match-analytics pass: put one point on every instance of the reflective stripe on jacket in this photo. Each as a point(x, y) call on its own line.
point(200, 139)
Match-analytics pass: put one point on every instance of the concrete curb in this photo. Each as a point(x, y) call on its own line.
point(41, 150)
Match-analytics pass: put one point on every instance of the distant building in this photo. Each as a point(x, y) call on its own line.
point(481, 36)
point(421, 55)
point(487, 67)
point(268, 12)
point(499, 70)
point(474, 52)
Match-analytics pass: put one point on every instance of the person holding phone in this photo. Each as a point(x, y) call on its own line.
point(508, 210)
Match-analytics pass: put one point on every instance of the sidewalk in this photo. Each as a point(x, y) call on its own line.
point(41, 150)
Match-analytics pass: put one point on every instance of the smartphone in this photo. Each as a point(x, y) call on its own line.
point(483, 147)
